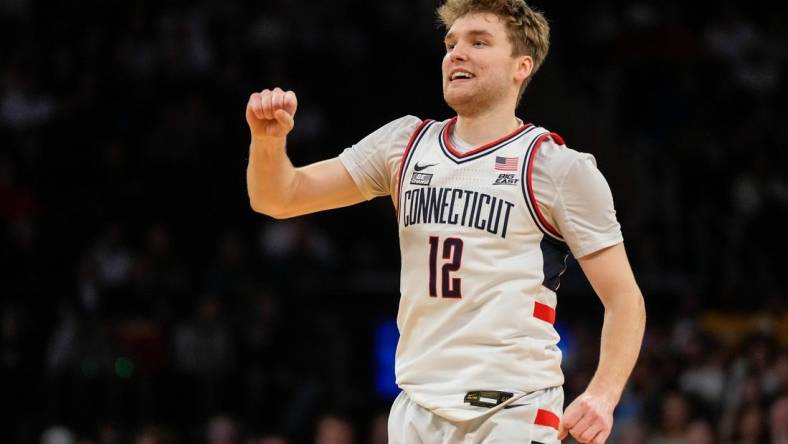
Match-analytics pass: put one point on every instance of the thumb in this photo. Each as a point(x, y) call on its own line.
point(284, 118)
point(562, 431)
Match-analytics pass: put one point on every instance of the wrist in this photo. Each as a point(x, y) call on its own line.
point(609, 395)
point(268, 143)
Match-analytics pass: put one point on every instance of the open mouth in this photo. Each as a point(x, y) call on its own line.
point(460, 76)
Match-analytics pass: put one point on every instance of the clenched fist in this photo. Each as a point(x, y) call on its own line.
point(589, 419)
point(271, 113)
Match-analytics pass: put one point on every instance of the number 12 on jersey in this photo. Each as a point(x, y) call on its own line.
point(452, 254)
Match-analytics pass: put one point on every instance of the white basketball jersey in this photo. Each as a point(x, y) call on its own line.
point(480, 270)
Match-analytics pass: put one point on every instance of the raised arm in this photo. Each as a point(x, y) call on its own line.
point(275, 186)
point(589, 418)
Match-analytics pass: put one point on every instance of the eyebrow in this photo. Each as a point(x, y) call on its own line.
point(473, 33)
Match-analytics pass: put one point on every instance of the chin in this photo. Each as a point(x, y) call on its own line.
point(461, 103)
point(456, 99)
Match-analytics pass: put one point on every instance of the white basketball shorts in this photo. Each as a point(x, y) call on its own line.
point(532, 418)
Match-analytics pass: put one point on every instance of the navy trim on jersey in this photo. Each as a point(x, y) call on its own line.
point(554, 256)
point(407, 155)
point(449, 151)
point(527, 187)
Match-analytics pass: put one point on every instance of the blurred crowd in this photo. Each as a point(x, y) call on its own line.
point(142, 301)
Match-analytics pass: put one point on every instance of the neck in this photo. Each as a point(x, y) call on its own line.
point(483, 127)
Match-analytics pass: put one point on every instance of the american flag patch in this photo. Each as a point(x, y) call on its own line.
point(505, 163)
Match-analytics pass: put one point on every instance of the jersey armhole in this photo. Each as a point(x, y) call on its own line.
point(406, 156)
point(527, 180)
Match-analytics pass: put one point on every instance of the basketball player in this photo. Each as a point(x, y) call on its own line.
point(488, 207)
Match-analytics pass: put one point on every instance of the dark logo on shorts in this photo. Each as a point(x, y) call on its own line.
point(418, 167)
point(506, 179)
point(420, 179)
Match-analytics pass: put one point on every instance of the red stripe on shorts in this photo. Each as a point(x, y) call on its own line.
point(544, 312)
point(547, 419)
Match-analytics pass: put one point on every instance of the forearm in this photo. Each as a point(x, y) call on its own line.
point(622, 334)
point(270, 176)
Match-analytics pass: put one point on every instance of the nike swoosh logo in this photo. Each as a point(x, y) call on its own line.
point(418, 167)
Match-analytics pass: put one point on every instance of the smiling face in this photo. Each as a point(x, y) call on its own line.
point(479, 70)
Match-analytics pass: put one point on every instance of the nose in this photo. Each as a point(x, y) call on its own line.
point(458, 53)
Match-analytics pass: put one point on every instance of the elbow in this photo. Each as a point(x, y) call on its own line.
point(266, 208)
point(629, 302)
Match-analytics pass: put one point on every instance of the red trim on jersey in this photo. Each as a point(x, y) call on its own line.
point(547, 418)
point(557, 139)
point(454, 151)
point(538, 212)
point(404, 156)
point(544, 312)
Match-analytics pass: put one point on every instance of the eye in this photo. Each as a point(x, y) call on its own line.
point(449, 46)
point(479, 43)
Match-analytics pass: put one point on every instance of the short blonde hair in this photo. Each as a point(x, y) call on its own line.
point(526, 27)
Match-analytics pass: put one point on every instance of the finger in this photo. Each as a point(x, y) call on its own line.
point(601, 437)
point(255, 105)
point(571, 416)
point(590, 433)
point(284, 119)
point(277, 99)
point(562, 432)
point(291, 103)
point(582, 426)
point(265, 100)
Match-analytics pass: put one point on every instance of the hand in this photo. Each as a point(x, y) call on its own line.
point(589, 419)
point(271, 113)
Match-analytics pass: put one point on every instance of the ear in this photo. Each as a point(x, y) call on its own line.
point(524, 68)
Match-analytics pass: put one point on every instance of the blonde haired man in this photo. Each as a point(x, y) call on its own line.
point(488, 208)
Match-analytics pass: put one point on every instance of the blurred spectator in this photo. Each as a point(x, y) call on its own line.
point(700, 432)
point(152, 435)
point(267, 439)
point(674, 420)
point(750, 427)
point(334, 430)
point(378, 431)
point(203, 345)
point(57, 435)
point(203, 350)
point(109, 434)
point(704, 374)
point(632, 433)
point(221, 430)
point(778, 421)
point(22, 105)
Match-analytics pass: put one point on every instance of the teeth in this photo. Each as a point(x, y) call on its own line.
point(461, 74)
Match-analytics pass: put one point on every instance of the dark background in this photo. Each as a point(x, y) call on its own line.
point(144, 301)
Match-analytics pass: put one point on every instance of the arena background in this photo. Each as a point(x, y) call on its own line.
point(143, 301)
